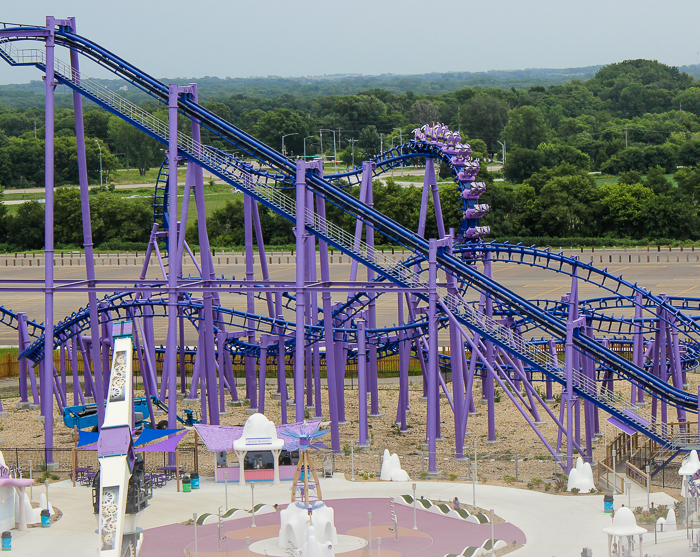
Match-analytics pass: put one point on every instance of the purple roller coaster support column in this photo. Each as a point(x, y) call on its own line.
point(637, 347)
point(87, 235)
point(309, 261)
point(264, 341)
point(372, 308)
point(403, 369)
point(62, 367)
point(209, 365)
point(181, 329)
point(327, 304)
point(169, 379)
point(281, 362)
point(23, 371)
point(489, 389)
point(456, 358)
point(658, 352)
point(77, 391)
point(223, 354)
point(571, 324)
point(300, 293)
point(47, 367)
point(362, 382)
point(263, 257)
point(250, 379)
point(430, 173)
point(433, 395)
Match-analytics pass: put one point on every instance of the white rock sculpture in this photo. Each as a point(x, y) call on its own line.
point(391, 469)
point(670, 525)
point(294, 525)
point(581, 477)
point(314, 548)
point(43, 505)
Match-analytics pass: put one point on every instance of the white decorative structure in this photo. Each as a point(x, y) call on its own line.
point(259, 434)
point(622, 532)
point(391, 469)
point(315, 548)
point(296, 521)
point(581, 477)
point(15, 507)
point(690, 466)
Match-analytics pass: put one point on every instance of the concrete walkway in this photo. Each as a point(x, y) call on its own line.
point(554, 525)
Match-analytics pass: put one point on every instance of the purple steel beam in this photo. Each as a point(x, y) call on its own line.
point(489, 389)
point(433, 401)
point(169, 377)
point(23, 342)
point(249, 365)
point(372, 308)
point(87, 234)
point(403, 370)
point(281, 361)
point(209, 367)
point(264, 341)
point(309, 261)
point(362, 382)
point(300, 293)
point(327, 304)
point(263, 256)
point(47, 367)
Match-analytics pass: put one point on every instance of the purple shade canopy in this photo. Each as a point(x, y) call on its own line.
point(219, 438)
point(148, 435)
point(166, 446)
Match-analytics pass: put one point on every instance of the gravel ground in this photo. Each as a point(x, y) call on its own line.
point(497, 461)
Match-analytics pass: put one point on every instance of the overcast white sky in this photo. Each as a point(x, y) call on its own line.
point(237, 38)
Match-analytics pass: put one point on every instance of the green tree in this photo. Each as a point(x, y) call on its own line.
point(369, 141)
point(142, 151)
point(484, 117)
point(526, 128)
point(271, 126)
point(25, 229)
point(689, 153)
point(522, 163)
point(623, 209)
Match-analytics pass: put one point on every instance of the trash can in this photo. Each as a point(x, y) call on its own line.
point(194, 480)
point(45, 518)
point(186, 484)
point(608, 503)
point(6, 541)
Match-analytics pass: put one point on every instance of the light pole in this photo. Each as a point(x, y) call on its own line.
point(401, 142)
point(335, 153)
point(503, 146)
point(194, 522)
point(369, 520)
point(307, 137)
point(415, 526)
point(286, 135)
point(100, 148)
point(252, 495)
point(353, 141)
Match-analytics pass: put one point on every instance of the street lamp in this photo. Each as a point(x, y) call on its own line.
point(503, 146)
point(307, 137)
point(100, 148)
point(353, 141)
point(415, 526)
point(286, 135)
point(335, 153)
